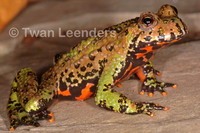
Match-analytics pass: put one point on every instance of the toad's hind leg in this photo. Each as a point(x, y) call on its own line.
point(109, 99)
point(24, 87)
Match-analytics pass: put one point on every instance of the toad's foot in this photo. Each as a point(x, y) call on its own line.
point(21, 117)
point(147, 107)
point(24, 118)
point(151, 85)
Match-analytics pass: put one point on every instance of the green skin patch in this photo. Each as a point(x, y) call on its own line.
point(103, 59)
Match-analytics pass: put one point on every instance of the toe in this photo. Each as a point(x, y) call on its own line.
point(150, 94)
point(51, 120)
point(164, 93)
point(141, 92)
point(174, 86)
point(151, 115)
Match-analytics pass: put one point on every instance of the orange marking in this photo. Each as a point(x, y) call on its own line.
point(148, 48)
point(159, 74)
point(130, 73)
point(51, 120)
point(119, 85)
point(164, 93)
point(140, 55)
point(129, 67)
point(161, 43)
point(64, 93)
point(151, 115)
point(140, 74)
point(152, 56)
point(150, 94)
point(165, 109)
point(12, 129)
point(174, 86)
point(85, 93)
point(50, 114)
point(145, 59)
point(141, 92)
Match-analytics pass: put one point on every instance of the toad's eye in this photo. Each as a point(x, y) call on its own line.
point(147, 21)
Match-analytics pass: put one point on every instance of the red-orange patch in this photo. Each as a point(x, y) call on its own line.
point(129, 74)
point(161, 43)
point(64, 93)
point(141, 74)
point(129, 67)
point(148, 48)
point(119, 85)
point(85, 93)
point(139, 55)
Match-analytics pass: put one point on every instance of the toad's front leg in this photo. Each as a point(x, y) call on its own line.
point(147, 75)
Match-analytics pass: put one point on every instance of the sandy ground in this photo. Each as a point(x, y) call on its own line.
point(179, 64)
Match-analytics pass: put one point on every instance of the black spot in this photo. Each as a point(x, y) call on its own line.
point(120, 101)
point(91, 57)
point(63, 64)
point(94, 71)
point(99, 50)
point(75, 81)
point(79, 75)
point(25, 100)
point(71, 74)
point(83, 68)
point(11, 102)
point(18, 104)
point(30, 73)
point(112, 91)
point(179, 29)
point(77, 66)
point(135, 38)
point(118, 29)
point(122, 108)
point(111, 48)
point(66, 70)
point(55, 74)
point(173, 37)
point(89, 65)
point(62, 74)
point(173, 20)
point(108, 85)
point(89, 74)
point(111, 108)
point(126, 32)
point(105, 89)
point(165, 21)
